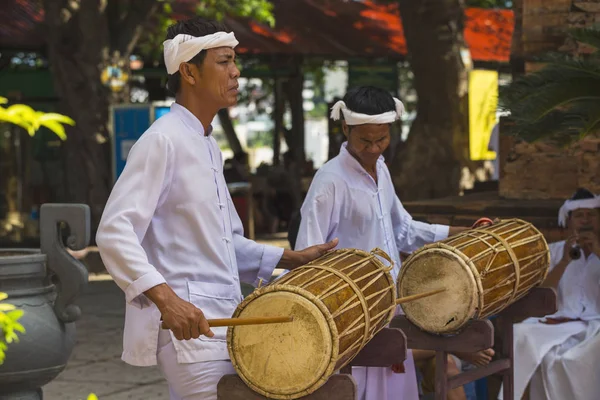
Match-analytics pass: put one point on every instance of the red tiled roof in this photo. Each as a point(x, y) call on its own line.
point(324, 28)
point(488, 33)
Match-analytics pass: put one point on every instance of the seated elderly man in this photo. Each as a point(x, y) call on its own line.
point(557, 356)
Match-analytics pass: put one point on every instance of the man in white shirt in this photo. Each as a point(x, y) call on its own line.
point(558, 356)
point(170, 235)
point(352, 198)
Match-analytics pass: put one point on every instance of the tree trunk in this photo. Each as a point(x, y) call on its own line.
point(278, 111)
point(517, 56)
point(77, 46)
point(293, 88)
point(82, 39)
point(428, 165)
point(229, 131)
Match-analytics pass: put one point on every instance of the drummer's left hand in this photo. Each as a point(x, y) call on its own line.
point(293, 259)
point(590, 241)
point(484, 222)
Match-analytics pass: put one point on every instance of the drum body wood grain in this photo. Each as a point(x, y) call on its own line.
point(339, 302)
point(484, 270)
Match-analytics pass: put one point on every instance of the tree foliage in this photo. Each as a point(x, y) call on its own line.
point(84, 39)
point(150, 45)
point(560, 101)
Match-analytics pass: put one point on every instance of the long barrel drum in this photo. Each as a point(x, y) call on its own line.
point(287, 338)
point(483, 270)
point(338, 303)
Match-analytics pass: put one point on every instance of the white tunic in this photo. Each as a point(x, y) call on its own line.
point(345, 202)
point(562, 361)
point(170, 219)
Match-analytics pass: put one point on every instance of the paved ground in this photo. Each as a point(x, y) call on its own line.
point(95, 365)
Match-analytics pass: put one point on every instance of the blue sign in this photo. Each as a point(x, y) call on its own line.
point(160, 111)
point(128, 122)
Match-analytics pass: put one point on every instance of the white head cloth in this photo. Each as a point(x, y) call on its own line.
point(182, 48)
point(354, 118)
point(571, 205)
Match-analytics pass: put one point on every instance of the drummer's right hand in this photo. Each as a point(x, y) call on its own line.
point(185, 319)
point(569, 243)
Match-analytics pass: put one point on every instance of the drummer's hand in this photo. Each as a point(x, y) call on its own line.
point(293, 259)
point(483, 222)
point(183, 318)
point(589, 241)
point(569, 243)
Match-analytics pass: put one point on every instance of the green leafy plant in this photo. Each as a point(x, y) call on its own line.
point(9, 316)
point(31, 120)
point(150, 44)
point(259, 10)
point(560, 101)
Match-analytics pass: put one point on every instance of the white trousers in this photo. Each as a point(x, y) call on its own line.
point(196, 381)
point(375, 383)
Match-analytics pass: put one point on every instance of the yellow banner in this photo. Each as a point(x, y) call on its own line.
point(483, 102)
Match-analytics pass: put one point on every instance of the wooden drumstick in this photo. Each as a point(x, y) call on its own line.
point(418, 296)
point(215, 323)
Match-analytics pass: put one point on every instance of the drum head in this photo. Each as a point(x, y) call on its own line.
point(433, 269)
point(284, 361)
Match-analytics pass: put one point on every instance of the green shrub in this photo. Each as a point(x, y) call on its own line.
point(9, 326)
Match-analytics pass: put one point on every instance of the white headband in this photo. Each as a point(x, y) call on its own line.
point(354, 118)
point(571, 205)
point(182, 48)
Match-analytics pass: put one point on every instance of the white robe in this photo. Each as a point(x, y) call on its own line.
point(562, 361)
point(170, 218)
point(345, 202)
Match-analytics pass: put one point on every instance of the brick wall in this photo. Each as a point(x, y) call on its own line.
point(545, 23)
point(540, 170)
point(543, 171)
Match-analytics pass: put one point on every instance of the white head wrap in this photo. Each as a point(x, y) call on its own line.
point(571, 205)
point(182, 48)
point(354, 118)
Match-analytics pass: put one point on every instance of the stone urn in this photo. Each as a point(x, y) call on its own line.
point(44, 283)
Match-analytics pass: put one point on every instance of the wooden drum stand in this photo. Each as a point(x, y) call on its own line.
point(387, 347)
point(477, 336)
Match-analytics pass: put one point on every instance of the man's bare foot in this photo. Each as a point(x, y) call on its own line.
point(398, 368)
point(478, 358)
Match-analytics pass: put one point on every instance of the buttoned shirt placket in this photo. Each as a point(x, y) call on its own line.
point(222, 204)
point(381, 216)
